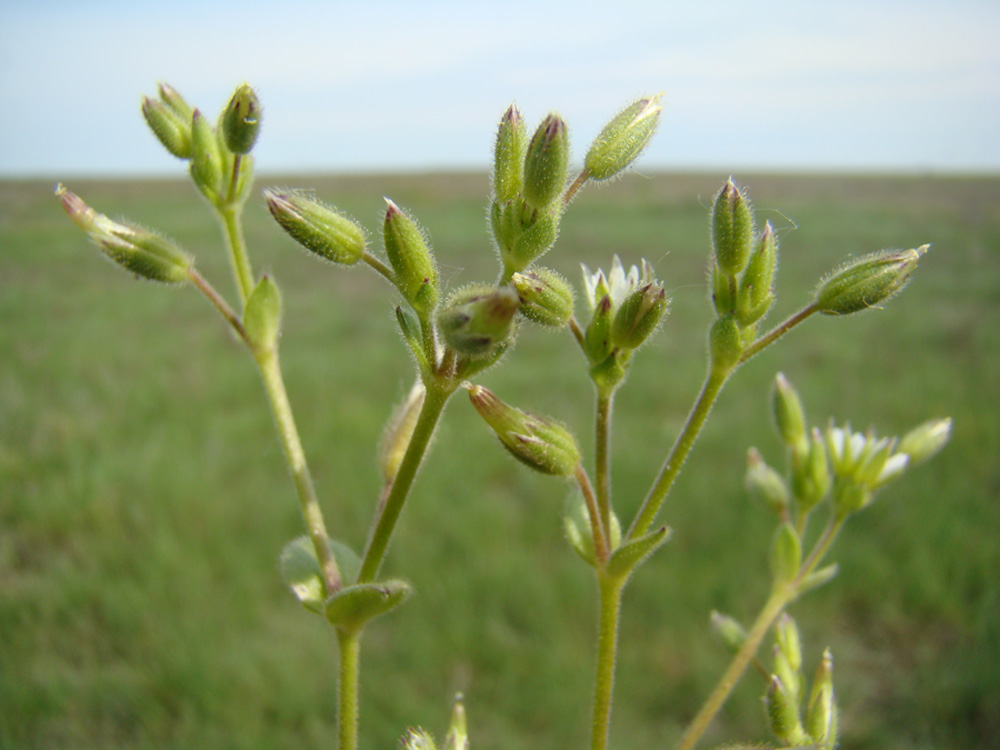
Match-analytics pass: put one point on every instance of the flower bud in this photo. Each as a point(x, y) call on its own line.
point(755, 293)
point(732, 229)
point(241, 120)
point(728, 630)
point(638, 316)
point(546, 163)
point(411, 259)
point(417, 739)
point(725, 344)
point(170, 97)
point(923, 442)
point(458, 732)
point(786, 555)
point(207, 169)
point(821, 712)
point(262, 317)
point(787, 637)
point(399, 430)
point(477, 319)
point(539, 442)
point(597, 337)
point(508, 157)
point(623, 139)
point(867, 282)
point(317, 227)
point(765, 484)
point(546, 297)
point(811, 473)
point(170, 130)
point(789, 417)
point(139, 250)
point(790, 678)
point(783, 714)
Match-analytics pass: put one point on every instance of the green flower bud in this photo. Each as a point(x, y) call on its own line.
point(811, 473)
point(723, 292)
point(546, 163)
point(725, 344)
point(786, 634)
point(755, 293)
point(638, 316)
point(170, 97)
point(597, 337)
point(458, 732)
point(241, 120)
point(173, 132)
point(623, 139)
point(728, 630)
point(411, 259)
point(262, 317)
point(821, 713)
point(790, 678)
point(546, 297)
point(207, 169)
point(765, 484)
point(732, 229)
point(925, 441)
point(535, 239)
point(789, 417)
point(139, 250)
point(783, 714)
point(508, 157)
point(477, 319)
point(317, 227)
point(786, 555)
point(539, 442)
point(867, 282)
point(399, 430)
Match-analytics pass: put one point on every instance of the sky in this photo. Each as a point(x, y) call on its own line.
point(873, 85)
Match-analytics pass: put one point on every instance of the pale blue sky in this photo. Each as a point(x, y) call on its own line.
point(856, 84)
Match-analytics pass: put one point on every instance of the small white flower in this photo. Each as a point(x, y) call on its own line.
point(619, 283)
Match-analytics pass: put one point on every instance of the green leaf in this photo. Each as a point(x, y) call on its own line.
point(627, 557)
point(351, 607)
point(300, 570)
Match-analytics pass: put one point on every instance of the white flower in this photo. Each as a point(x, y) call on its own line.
point(617, 284)
point(864, 458)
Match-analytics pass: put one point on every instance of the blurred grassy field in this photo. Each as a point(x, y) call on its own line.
point(144, 500)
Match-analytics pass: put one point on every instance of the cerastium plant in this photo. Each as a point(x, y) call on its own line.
point(454, 335)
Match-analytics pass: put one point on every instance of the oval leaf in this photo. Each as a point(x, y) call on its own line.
point(627, 557)
point(301, 571)
point(351, 607)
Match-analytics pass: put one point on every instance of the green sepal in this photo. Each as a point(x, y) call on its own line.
point(172, 98)
point(546, 297)
point(546, 163)
point(867, 282)
point(818, 578)
point(628, 557)
point(172, 131)
point(477, 319)
point(638, 316)
point(262, 317)
point(319, 228)
point(409, 326)
point(597, 337)
point(301, 571)
point(755, 293)
point(786, 555)
point(789, 416)
point(353, 606)
point(410, 257)
point(206, 158)
point(508, 156)
point(457, 737)
point(766, 484)
point(732, 229)
point(783, 714)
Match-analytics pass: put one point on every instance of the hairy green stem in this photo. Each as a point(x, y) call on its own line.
point(577, 332)
point(679, 453)
point(378, 265)
point(601, 544)
point(239, 260)
point(347, 694)
point(219, 303)
point(602, 461)
point(579, 182)
point(610, 589)
point(776, 333)
point(289, 436)
point(378, 542)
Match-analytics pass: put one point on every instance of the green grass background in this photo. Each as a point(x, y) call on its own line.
point(144, 500)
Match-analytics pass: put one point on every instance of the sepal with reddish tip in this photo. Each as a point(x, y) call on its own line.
point(622, 140)
point(508, 157)
point(319, 228)
point(410, 257)
point(546, 163)
point(867, 282)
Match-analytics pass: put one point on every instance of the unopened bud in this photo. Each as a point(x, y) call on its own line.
point(821, 713)
point(262, 317)
point(732, 229)
point(755, 293)
point(786, 555)
point(724, 292)
point(783, 714)
point(139, 250)
point(766, 484)
point(638, 316)
point(725, 345)
point(476, 319)
point(546, 163)
point(539, 442)
point(623, 139)
point(923, 442)
point(170, 96)
point(789, 417)
point(417, 739)
point(811, 473)
point(458, 732)
point(508, 156)
point(207, 169)
point(317, 227)
point(170, 130)
point(411, 259)
point(546, 297)
point(728, 630)
point(867, 282)
point(241, 120)
point(787, 637)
